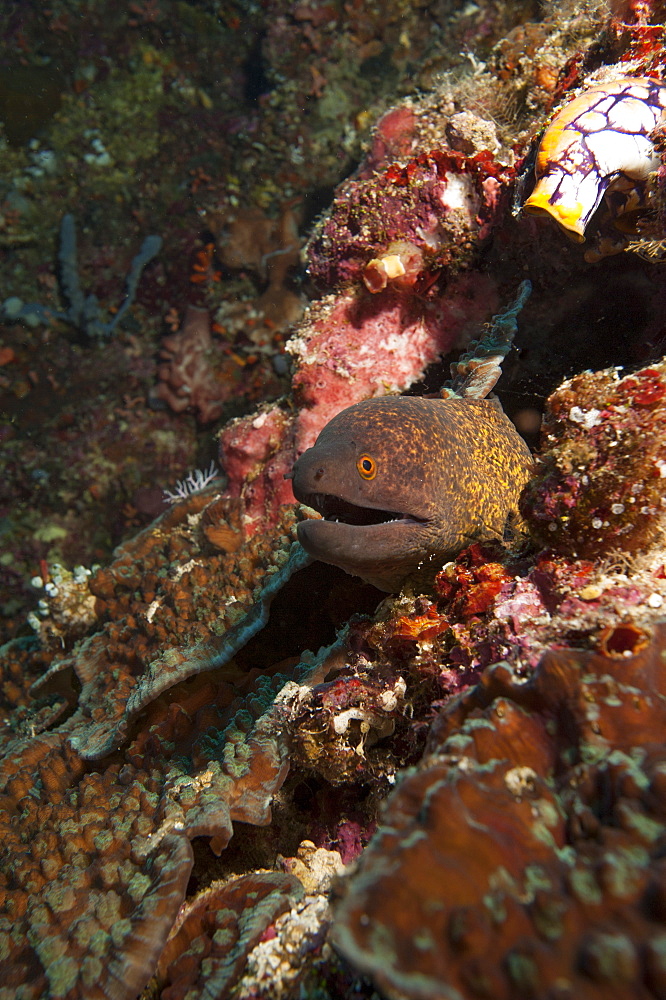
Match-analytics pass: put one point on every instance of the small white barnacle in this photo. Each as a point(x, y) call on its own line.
point(598, 143)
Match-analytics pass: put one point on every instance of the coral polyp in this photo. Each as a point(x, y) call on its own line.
point(400, 266)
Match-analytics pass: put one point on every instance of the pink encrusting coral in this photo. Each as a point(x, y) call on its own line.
point(349, 347)
point(395, 137)
point(256, 453)
point(354, 347)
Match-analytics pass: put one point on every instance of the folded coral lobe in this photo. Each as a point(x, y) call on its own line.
point(523, 856)
point(599, 140)
point(403, 482)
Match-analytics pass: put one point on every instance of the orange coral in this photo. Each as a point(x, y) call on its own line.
point(96, 858)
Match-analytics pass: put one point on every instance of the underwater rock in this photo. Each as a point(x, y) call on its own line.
point(403, 225)
point(341, 719)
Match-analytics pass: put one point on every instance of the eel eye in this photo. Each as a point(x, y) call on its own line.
point(367, 467)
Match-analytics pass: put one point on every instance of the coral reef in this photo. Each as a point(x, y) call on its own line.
point(67, 608)
point(599, 485)
point(524, 853)
point(183, 775)
point(106, 857)
point(218, 930)
point(403, 225)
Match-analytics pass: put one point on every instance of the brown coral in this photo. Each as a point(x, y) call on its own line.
point(213, 934)
point(96, 857)
point(601, 483)
point(82, 913)
point(524, 855)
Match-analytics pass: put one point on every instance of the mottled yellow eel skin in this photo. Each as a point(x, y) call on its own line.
point(402, 482)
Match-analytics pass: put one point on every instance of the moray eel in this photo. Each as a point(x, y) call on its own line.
point(404, 482)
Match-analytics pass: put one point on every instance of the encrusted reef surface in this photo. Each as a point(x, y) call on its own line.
point(524, 854)
point(227, 771)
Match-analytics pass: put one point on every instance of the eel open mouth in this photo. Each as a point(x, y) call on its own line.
point(334, 508)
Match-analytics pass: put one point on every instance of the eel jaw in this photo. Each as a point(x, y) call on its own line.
point(380, 546)
point(336, 510)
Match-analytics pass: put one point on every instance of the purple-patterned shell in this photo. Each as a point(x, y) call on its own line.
point(598, 141)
